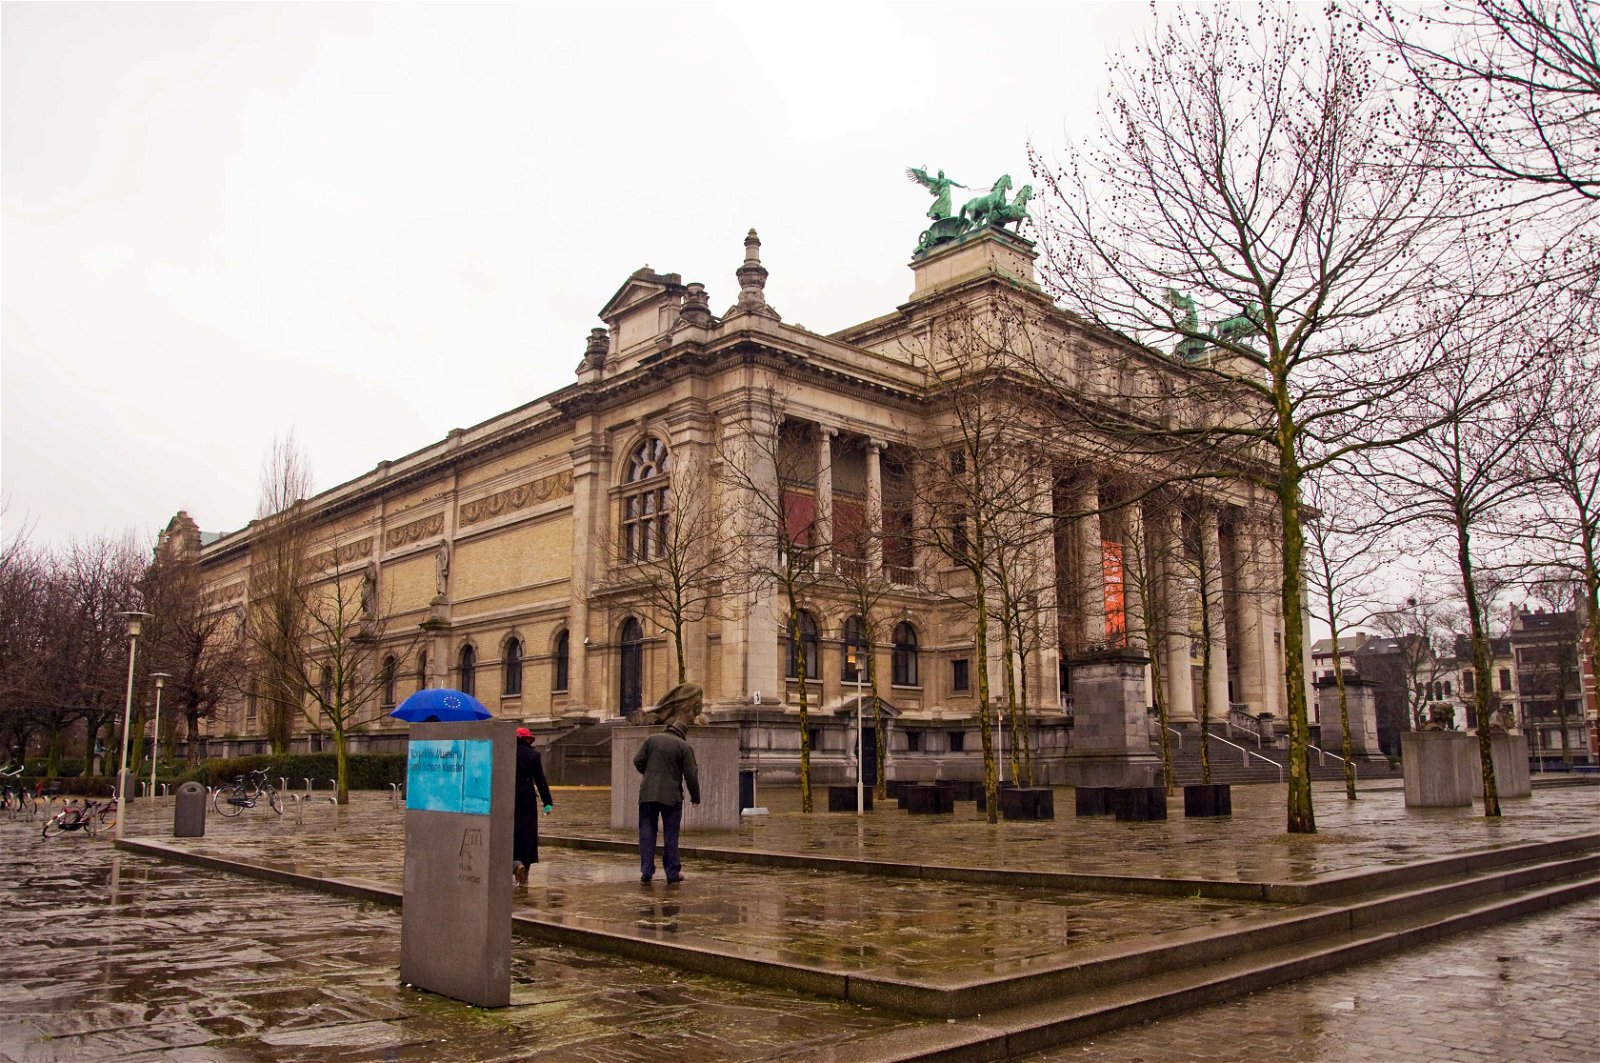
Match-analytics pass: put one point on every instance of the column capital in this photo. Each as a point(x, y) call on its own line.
point(877, 444)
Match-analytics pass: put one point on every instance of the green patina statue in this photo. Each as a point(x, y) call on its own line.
point(990, 209)
point(940, 187)
point(1189, 346)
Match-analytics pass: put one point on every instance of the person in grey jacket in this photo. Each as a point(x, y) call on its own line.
point(667, 763)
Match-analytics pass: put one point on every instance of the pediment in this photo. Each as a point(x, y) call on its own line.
point(641, 287)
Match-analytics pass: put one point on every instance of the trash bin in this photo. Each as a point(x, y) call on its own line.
point(747, 788)
point(189, 815)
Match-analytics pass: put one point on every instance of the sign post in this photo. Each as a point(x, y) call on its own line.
point(455, 920)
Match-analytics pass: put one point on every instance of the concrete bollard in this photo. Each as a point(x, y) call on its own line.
point(189, 811)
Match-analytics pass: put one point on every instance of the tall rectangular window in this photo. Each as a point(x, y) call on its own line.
point(960, 678)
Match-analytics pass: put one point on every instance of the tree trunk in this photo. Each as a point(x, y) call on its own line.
point(1480, 668)
point(1302, 817)
point(1344, 715)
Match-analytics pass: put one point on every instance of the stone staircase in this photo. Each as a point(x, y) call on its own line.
point(1267, 765)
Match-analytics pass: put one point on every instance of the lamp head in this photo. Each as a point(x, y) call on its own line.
point(160, 678)
point(135, 618)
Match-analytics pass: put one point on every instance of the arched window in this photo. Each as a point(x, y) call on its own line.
point(853, 639)
point(632, 670)
point(563, 650)
point(390, 671)
point(808, 639)
point(647, 503)
point(469, 670)
point(422, 670)
point(513, 683)
point(904, 661)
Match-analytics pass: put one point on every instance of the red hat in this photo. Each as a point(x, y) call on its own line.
point(523, 732)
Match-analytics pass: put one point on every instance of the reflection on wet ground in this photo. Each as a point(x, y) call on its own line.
point(133, 958)
point(184, 964)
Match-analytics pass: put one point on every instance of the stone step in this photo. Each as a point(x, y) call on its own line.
point(1405, 922)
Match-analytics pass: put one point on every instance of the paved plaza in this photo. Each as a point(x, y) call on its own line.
point(128, 956)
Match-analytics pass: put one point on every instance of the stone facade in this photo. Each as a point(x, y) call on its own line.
point(510, 546)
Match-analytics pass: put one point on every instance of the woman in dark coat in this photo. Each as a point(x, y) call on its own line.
point(532, 788)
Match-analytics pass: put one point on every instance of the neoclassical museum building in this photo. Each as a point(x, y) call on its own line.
point(503, 559)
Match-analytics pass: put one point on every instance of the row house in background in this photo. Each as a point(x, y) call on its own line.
point(521, 558)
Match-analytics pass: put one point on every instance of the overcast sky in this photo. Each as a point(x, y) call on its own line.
point(372, 224)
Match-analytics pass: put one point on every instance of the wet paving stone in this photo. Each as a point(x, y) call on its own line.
point(184, 964)
point(1520, 991)
point(132, 958)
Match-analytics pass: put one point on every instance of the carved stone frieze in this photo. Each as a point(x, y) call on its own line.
point(343, 555)
point(514, 498)
point(415, 532)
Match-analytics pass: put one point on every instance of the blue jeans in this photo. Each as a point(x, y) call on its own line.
point(671, 817)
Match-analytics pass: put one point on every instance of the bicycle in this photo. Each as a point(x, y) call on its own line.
point(244, 793)
point(91, 816)
point(18, 799)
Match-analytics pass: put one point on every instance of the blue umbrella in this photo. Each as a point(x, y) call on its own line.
point(441, 706)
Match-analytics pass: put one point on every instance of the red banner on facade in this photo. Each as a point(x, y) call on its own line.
point(1116, 602)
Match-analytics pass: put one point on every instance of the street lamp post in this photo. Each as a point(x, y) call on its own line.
point(855, 657)
point(135, 618)
point(155, 734)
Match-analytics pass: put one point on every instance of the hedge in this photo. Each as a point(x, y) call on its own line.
point(367, 771)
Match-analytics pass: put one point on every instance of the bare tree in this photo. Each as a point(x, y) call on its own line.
point(768, 468)
point(982, 480)
point(865, 586)
point(1452, 482)
point(1343, 556)
point(677, 567)
point(198, 641)
point(1250, 165)
point(1550, 670)
point(1518, 81)
point(333, 660)
point(1564, 530)
point(280, 546)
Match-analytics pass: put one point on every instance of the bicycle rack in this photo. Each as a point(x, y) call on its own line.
point(299, 807)
point(308, 785)
point(396, 792)
point(283, 784)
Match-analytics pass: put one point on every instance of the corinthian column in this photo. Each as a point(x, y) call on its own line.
point(825, 486)
point(1175, 610)
point(1091, 563)
point(875, 502)
point(1217, 688)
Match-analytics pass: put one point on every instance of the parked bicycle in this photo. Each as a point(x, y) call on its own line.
point(90, 815)
point(246, 792)
point(14, 795)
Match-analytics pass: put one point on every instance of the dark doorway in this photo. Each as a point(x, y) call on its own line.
point(632, 670)
point(869, 756)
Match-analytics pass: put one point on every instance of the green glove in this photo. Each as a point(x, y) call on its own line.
point(548, 809)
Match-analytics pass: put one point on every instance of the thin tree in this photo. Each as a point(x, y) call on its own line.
point(280, 546)
point(199, 643)
point(865, 587)
point(1554, 673)
point(1344, 557)
point(767, 468)
point(678, 569)
point(1454, 482)
point(1251, 166)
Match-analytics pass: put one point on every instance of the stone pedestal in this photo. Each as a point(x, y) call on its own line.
point(455, 919)
point(716, 755)
point(1510, 755)
point(1439, 768)
point(1362, 705)
point(1110, 724)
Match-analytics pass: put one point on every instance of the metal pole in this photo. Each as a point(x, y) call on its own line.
point(155, 736)
point(861, 807)
point(134, 618)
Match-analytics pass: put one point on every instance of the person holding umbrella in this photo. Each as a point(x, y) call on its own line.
point(532, 787)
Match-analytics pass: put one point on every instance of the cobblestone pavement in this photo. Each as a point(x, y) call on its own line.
point(128, 958)
point(1523, 991)
point(125, 957)
point(1251, 845)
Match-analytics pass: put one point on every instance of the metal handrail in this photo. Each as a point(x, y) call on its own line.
point(1179, 733)
point(1322, 761)
point(1248, 755)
